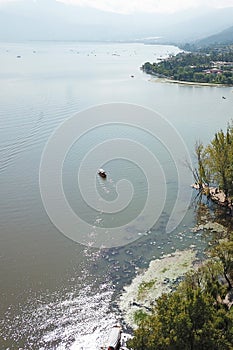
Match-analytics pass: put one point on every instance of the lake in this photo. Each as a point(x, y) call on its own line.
point(55, 292)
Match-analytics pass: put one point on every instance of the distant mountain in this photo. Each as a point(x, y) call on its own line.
point(223, 38)
point(53, 20)
point(200, 26)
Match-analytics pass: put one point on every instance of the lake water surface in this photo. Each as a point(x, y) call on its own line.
point(56, 293)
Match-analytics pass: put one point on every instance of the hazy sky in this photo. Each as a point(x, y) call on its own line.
point(129, 6)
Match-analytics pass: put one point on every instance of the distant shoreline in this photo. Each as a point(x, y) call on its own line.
point(189, 83)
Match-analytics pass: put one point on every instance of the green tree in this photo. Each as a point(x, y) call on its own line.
point(191, 318)
point(201, 174)
point(215, 162)
point(224, 252)
point(219, 159)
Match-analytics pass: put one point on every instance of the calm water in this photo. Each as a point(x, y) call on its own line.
point(55, 293)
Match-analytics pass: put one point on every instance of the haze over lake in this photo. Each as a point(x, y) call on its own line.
point(56, 293)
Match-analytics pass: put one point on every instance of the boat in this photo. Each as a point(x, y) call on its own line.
point(114, 338)
point(102, 173)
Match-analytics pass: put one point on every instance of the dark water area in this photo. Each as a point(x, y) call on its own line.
point(56, 293)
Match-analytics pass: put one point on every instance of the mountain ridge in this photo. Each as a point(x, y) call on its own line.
point(27, 20)
point(224, 37)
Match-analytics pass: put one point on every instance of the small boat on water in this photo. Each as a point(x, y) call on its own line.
point(117, 340)
point(114, 339)
point(102, 173)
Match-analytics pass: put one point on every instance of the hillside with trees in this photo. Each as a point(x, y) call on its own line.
point(225, 37)
point(213, 66)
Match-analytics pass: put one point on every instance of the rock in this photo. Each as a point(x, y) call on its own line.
point(228, 301)
point(213, 226)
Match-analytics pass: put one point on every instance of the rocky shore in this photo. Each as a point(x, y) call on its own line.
point(216, 195)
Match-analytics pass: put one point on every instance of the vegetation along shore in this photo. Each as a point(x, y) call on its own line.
point(197, 312)
point(209, 66)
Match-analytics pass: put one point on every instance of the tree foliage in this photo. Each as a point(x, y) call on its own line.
point(224, 252)
point(195, 316)
point(203, 67)
point(191, 318)
point(198, 315)
point(215, 161)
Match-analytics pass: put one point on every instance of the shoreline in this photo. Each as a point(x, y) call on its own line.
point(188, 83)
point(162, 276)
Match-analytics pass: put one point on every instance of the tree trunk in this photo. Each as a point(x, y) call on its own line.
point(228, 280)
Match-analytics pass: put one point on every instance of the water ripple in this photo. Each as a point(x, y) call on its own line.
point(73, 321)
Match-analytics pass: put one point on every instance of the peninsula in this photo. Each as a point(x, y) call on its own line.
point(204, 66)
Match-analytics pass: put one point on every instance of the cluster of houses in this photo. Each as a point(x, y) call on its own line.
point(219, 67)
